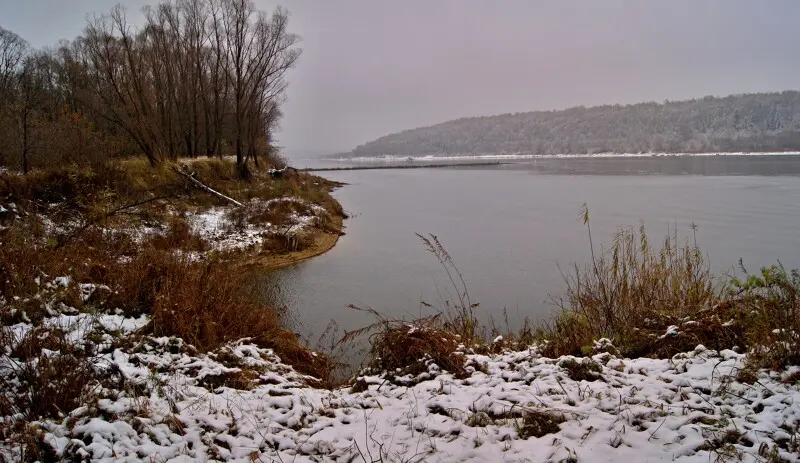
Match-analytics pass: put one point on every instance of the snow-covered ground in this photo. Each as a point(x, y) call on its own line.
point(689, 408)
point(528, 156)
point(216, 226)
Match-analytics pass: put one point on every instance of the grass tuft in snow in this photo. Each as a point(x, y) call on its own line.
point(537, 423)
point(410, 351)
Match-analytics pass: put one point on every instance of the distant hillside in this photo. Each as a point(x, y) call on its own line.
point(752, 122)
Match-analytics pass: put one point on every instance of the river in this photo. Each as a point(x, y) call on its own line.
point(508, 229)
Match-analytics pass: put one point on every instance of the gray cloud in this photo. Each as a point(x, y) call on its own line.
point(373, 67)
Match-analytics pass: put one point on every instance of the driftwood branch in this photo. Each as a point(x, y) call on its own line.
point(204, 187)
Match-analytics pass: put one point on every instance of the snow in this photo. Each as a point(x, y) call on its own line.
point(679, 409)
point(216, 226)
point(528, 156)
point(672, 330)
point(277, 171)
point(168, 405)
point(62, 281)
point(88, 289)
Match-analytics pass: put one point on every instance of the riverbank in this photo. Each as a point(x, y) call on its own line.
point(170, 359)
point(322, 241)
point(124, 250)
point(197, 210)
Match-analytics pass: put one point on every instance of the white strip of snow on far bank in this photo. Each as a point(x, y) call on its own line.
point(528, 156)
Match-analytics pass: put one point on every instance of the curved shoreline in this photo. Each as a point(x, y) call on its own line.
point(324, 241)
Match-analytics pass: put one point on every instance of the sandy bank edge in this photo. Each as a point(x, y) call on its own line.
point(324, 241)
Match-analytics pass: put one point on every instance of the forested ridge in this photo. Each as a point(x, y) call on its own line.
point(747, 122)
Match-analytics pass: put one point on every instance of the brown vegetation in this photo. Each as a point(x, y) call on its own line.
point(631, 300)
point(41, 388)
point(583, 370)
point(100, 169)
point(660, 302)
point(75, 221)
point(628, 286)
point(198, 78)
point(399, 348)
point(537, 423)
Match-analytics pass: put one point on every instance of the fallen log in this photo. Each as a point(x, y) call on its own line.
point(204, 187)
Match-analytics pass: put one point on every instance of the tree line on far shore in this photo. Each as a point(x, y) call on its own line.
point(749, 123)
point(196, 78)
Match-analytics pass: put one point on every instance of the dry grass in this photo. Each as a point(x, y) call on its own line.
point(627, 287)
point(456, 316)
point(584, 370)
point(285, 242)
point(29, 444)
point(650, 301)
point(659, 302)
point(399, 348)
point(277, 213)
point(40, 388)
point(207, 303)
point(204, 304)
point(19, 255)
point(770, 301)
point(97, 189)
point(178, 236)
point(71, 221)
point(644, 300)
point(513, 338)
point(537, 423)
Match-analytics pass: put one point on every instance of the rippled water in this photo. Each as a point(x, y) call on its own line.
point(509, 228)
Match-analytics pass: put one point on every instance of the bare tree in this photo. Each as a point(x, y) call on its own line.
point(199, 76)
point(195, 40)
point(34, 86)
point(217, 83)
point(12, 51)
point(259, 51)
point(119, 79)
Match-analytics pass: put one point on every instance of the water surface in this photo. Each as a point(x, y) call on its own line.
point(509, 227)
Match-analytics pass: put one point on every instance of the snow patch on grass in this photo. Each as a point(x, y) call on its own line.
point(518, 407)
point(217, 226)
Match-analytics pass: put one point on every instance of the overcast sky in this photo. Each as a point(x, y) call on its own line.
point(372, 67)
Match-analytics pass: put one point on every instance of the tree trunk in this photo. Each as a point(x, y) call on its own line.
point(25, 147)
